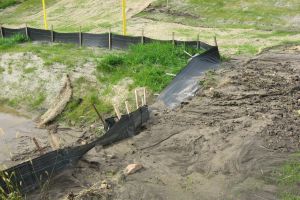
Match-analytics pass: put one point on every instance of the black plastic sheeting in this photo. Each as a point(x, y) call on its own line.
point(95, 40)
point(39, 35)
point(33, 174)
point(186, 83)
point(123, 42)
point(66, 37)
point(8, 32)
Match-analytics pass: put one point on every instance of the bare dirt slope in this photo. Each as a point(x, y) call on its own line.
point(223, 144)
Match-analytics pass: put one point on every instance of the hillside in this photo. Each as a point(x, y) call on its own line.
point(241, 28)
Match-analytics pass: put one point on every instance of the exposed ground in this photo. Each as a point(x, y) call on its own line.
point(226, 143)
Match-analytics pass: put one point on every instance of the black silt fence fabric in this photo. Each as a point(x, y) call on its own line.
point(66, 37)
point(186, 83)
point(33, 174)
point(95, 40)
point(39, 35)
point(8, 32)
point(123, 42)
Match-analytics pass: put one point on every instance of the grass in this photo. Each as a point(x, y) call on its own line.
point(7, 43)
point(13, 191)
point(289, 179)
point(147, 65)
point(6, 3)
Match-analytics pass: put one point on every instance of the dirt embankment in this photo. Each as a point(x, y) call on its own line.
point(223, 144)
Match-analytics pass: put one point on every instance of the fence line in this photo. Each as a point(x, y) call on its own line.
point(105, 40)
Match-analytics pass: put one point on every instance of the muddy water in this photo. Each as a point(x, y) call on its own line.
point(16, 134)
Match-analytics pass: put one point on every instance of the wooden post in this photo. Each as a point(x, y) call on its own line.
point(80, 37)
point(127, 107)
point(26, 31)
point(142, 39)
point(216, 43)
point(173, 38)
point(136, 99)
point(198, 42)
point(52, 34)
point(109, 39)
point(37, 145)
point(117, 112)
point(145, 97)
point(1, 31)
point(100, 117)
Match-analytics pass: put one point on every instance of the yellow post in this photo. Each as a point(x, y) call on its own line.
point(45, 14)
point(124, 16)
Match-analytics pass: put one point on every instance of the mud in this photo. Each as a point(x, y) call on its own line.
point(223, 144)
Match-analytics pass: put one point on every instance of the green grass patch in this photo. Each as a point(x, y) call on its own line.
point(29, 70)
point(6, 3)
point(288, 177)
point(146, 64)
point(1, 70)
point(6, 43)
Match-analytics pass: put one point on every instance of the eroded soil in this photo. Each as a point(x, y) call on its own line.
point(223, 144)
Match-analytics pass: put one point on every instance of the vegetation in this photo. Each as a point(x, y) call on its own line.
point(289, 179)
point(6, 3)
point(6, 43)
point(13, 191)
point(147, 65)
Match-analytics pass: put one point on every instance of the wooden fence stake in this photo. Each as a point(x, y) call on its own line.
point(216, 43)
point(198, 42)
point(145, 97)
point(26, 31)
point(38, 146)
point(109, 39)
point(80, 37)
point(100, 117)
point(142, 39)
point(127, 107)
point(1, 31)
point(117, 112)
point(136, 99)
point(173, 38)
point(52, 34)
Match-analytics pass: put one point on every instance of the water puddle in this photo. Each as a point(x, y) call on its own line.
point(16, 136)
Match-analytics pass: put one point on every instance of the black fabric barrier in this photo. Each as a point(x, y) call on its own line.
point(186, 83)
point(95, 40)
point(66, 37)
point(8, 32)
point(39, 35)
point(123, 42)
point(33, 174)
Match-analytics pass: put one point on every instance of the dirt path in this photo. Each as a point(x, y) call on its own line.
point(224, 144)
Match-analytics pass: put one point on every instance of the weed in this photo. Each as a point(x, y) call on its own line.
point(11, 192)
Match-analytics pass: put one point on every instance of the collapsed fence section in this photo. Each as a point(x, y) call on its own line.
point(104, 40)
point(186, 82)
point(33, 174)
